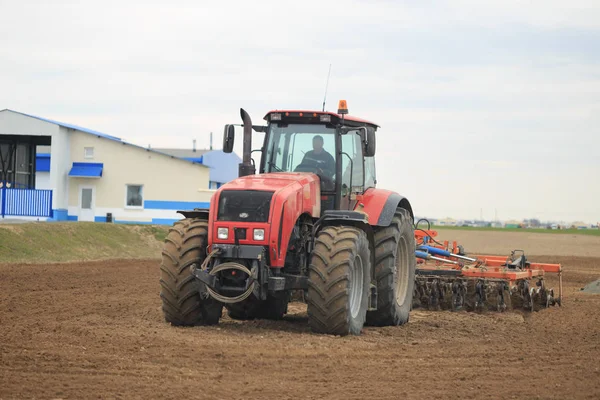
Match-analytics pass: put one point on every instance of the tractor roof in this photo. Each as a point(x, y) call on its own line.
point(309, 116)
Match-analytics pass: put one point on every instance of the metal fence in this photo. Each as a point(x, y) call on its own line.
point(25, 202)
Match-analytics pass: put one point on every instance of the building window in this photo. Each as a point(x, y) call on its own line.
point(213, 185)
point(135, 196)
point(88, 152)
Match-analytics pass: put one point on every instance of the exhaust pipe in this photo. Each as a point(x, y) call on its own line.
point(246, 167)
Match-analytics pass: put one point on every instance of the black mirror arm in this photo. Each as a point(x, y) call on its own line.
point(259, 128)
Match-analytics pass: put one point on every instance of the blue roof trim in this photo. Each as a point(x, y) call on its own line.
point(42, 162)
point(194, 159)
point(86, 170)
point(174, 205)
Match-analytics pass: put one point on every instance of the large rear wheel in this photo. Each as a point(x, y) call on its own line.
point(181, 303)
point(395, 265)
point(338, 281)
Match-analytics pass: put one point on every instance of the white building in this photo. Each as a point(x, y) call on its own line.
point(447, 222)
point(50, 170)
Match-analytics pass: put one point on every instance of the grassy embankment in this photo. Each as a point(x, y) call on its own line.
point(63, 242)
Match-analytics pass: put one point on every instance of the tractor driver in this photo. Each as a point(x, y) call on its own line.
point(319, 156)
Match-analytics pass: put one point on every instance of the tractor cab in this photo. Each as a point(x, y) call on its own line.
point(338, 148)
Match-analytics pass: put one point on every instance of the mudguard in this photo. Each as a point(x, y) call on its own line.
point(197, 213)
point(380, 205)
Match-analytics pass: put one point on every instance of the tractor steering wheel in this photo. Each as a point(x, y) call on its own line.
point(327, 182)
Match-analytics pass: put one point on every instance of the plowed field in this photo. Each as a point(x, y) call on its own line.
point(95, 330)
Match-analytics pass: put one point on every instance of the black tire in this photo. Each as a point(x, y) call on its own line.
point(395, 265)
point(275, 307)
point(244, 310)
point(181, 303)
point(338, 281)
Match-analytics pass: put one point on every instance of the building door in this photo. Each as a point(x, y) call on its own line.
point(87, 200)
point(17, 161)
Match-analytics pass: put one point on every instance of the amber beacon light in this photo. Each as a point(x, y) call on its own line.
point(343, 107)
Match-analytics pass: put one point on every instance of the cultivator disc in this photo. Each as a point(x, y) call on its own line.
point(534, 298)
point(446, 279)
point(439, 292)
point(443, 292)
point(455, 294)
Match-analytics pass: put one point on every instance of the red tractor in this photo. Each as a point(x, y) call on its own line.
point(310, 222)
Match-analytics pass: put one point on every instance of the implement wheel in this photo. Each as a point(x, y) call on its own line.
point(338, 281)
point(395, 265)
point(181, 303)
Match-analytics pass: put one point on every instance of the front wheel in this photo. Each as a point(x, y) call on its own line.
point(181, 302)
point(338, 281)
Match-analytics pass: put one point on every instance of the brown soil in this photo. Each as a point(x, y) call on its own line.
point(95, 330)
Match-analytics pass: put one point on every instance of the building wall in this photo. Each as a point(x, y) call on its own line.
point(12, 123)
point(60, 166)
point(169, 184)
point(42, 180)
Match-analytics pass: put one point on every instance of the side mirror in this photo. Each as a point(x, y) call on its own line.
point(369, 142)
point(228, 137)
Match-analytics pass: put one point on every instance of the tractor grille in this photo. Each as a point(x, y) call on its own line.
point(244, 205)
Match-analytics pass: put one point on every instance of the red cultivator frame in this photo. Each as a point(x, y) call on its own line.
point(446, 278)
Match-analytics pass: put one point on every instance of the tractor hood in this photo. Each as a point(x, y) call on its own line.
point(272, 182)
point(269, 202)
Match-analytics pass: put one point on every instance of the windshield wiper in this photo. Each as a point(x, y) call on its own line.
point(272, 164)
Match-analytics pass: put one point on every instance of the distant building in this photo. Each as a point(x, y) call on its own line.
point(223, 166)
point(580, 225)
point(513, 224)
point(52, 170)
point(447, 222)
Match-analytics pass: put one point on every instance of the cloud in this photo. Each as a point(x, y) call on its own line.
point(477, 99)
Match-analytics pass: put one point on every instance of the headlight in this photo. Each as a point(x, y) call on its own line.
point(259, 234)
point(223, 233)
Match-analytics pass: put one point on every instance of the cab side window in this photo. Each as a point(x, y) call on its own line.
point(370, 177)
point(352, 162)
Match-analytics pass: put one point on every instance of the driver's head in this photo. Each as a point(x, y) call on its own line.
point(318, 144)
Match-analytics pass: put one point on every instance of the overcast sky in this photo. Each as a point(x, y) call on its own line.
point(483, 105)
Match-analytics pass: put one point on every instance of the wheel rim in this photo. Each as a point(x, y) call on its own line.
point(402, 271)
point(356, 286)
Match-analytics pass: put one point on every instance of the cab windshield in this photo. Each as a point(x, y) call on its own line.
point(301, 148)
